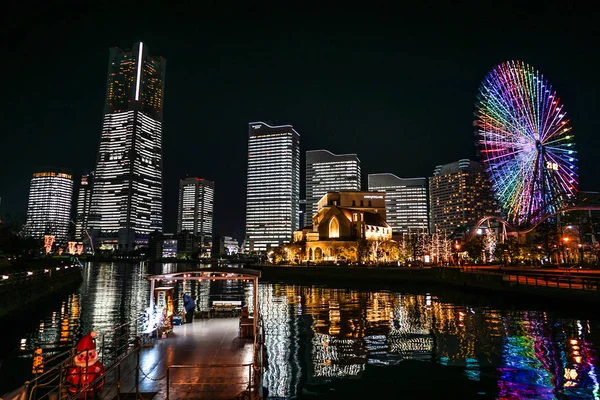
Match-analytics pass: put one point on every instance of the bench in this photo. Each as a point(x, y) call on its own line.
point(228, 308)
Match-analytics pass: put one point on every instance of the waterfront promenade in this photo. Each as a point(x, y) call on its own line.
point(533, 282)
point(21, 288)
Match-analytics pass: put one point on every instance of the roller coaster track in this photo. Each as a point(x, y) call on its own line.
point(522, 230)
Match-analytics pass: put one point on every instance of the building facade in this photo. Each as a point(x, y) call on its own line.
point(126, 201)
point(459, 196)
point(195, 212)
point(225, 246)
point(84, 197)
point(328, 172)
point(405, 202)
point(49, 205)
point(272, 186)
point(342, 220)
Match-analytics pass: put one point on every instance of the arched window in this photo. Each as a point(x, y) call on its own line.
point(334, 228)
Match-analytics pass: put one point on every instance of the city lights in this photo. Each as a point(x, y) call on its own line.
point(328, 172)
point(126, 202)
point(273, 185)
point(49, 206)
point(523, 143)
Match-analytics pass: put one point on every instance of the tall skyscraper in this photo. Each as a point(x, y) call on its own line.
point(328, 172)
point(273, 185)
point(459, 195)
point(127, 196)
point(195, 214)
point(49, 206)
point(84, 198)
point(405, 202)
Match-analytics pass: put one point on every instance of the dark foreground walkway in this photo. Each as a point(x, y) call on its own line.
point(209, 343)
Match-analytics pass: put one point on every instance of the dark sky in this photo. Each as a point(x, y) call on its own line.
point(396, 86)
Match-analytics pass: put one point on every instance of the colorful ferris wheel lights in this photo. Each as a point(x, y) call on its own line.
point(525, 143)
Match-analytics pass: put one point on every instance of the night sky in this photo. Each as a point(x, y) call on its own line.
point(396, 86)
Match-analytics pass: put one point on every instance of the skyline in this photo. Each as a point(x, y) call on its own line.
point(341, 86)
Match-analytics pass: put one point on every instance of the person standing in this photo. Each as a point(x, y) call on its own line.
point(188, 305)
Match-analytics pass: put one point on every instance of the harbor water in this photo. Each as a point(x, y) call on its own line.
point(324, 341)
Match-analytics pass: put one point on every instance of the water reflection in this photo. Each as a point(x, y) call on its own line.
point(317, 335)
point(109, 295)
point(527, 353)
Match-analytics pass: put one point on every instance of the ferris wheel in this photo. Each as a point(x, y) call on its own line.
point(525, 143)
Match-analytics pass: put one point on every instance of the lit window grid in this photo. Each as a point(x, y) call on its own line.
point(330, 176)
point(128, 191)
point(273, 188)
point(49, 206)
point(406, 207)
point(83, 208)
point(459, 199)
point(196, 204)
point(121, 83)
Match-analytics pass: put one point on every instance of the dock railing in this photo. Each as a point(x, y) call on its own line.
point(52, 385)
point(12, 280)
point(116, 340)
point(559, 280)
point(120, 354)
point(252, 385)
point(212, 383)
point(47, 382)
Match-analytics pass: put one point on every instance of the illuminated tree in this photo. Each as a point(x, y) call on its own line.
point(363, 250)
point(489, 243)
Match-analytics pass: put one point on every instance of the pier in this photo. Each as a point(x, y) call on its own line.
point(205, 359)
point(209, 358)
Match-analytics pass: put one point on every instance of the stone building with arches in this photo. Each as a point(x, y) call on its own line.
point(342, 219)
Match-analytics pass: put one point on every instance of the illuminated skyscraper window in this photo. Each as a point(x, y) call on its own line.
point(405, 202)
point(84, 197)
point(127, 195)
point(328, 172)
point(195, 213)
point(273, 185)
point(49, 206)
point(459, 195)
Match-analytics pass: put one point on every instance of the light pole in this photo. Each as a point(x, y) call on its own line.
point(457, 247)
point(565, 249)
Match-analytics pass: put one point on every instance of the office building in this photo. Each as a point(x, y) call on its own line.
point(127, 195)
point(405, 202)
point(84, 198)
point(328, 172)
point(49, 205)
point(273, 185)
point(303, 219)
point(459, 196)
point(195, 212)
point(225, 246)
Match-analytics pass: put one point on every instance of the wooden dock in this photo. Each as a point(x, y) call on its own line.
point(205, 359)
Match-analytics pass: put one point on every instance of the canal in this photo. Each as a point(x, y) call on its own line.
point(324, 341)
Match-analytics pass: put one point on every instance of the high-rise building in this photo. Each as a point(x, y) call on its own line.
point(459, 196)
point(328, 172)
point(405, 202)
point(49, 206)
point(195, 213)
point(273, 185)
point(303, 220)
point(127, 196)
point(84, 198)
